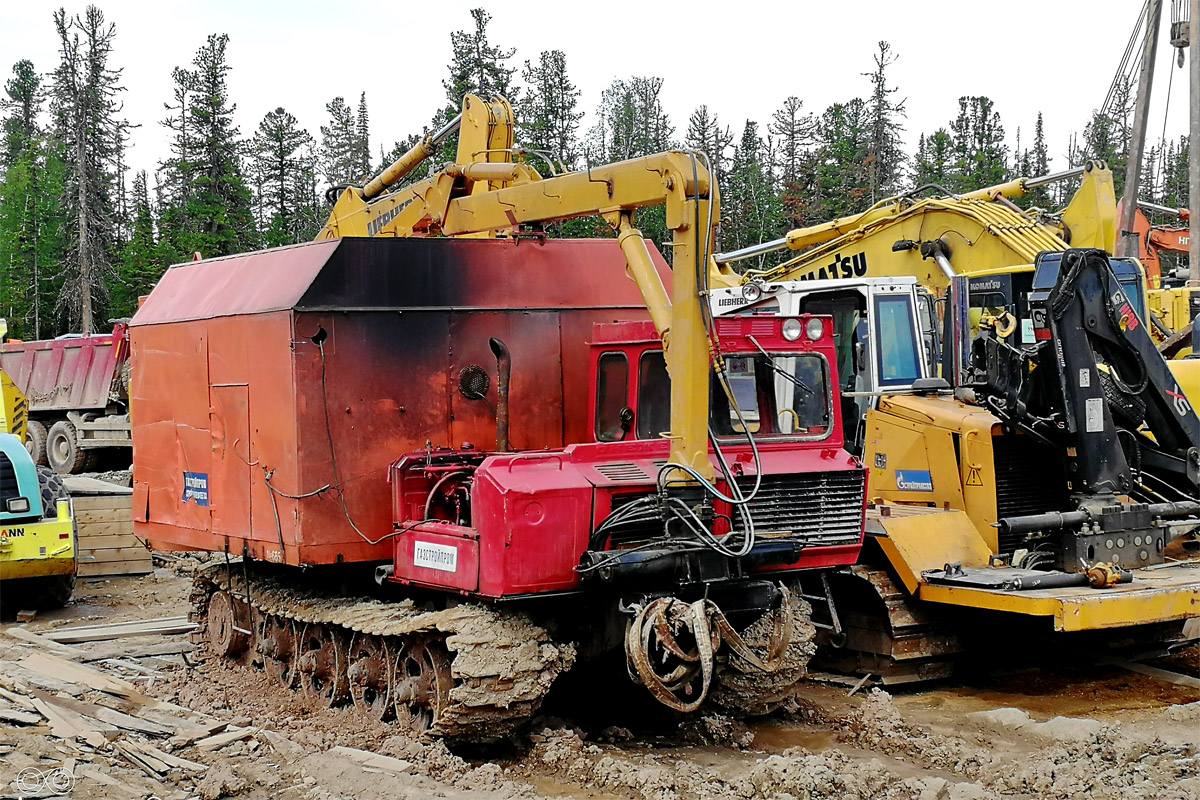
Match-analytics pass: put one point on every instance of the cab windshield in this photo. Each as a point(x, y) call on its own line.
point(777, 395)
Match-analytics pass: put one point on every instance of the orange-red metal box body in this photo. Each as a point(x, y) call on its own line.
point(271, 391)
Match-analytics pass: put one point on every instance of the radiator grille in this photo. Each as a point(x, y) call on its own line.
point(819, 509)
point(8, 479)
point(1029, 480)
point(622, 471)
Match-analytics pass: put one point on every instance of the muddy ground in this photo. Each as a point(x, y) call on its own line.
point(1067, 729)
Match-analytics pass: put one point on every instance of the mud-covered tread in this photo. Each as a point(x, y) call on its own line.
point(743, 690)
point(502, 663)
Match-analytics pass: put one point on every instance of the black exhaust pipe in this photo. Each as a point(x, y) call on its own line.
point(503, 374)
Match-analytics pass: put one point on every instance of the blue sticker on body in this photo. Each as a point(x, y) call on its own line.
point(914, 480)
point(195, 487)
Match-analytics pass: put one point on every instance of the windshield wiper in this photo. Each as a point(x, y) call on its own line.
point(778, 370)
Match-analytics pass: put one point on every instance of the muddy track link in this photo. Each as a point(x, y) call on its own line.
point(745, 691)
point(908, 642)
point(480, 672)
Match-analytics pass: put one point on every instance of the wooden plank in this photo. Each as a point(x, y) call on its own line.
point(369, 759)
point(78, 485)
point(105, 529)
point(117, 630)
point(104, 515)
point(228, 737)
point(24, 635)
point(167, 758)
point(119, 554)
point(110, 539)
point(62, 669)
point(106, 715)
point(105, 569)
point(102, 505)
point(69, 725)
point(20, 699)
point(19, 717)
point(135, 651)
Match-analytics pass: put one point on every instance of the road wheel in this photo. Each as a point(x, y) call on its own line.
point(35, 441)
point(52, 489)
point(54, 591)
point(63, 453)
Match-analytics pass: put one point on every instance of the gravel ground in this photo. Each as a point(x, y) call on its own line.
point(1071, 730)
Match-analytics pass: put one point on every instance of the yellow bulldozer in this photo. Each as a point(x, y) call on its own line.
point(1031, 453)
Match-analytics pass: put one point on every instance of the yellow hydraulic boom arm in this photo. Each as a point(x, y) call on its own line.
point(983, 230)
point(485, 136)
point(512, 194)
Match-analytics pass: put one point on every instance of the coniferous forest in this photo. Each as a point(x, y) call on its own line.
point(84, 233)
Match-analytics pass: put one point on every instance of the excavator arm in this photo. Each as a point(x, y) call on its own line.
point(471, 197)
point(485, 137)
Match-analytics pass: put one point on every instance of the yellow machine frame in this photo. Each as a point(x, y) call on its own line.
point(39, 549)
point(486, 191)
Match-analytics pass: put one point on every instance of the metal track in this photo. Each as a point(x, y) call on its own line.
point(743, 690)
point(501, 663)
point(908, 642)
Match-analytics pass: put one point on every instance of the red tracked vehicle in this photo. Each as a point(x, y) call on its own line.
point(276, 395)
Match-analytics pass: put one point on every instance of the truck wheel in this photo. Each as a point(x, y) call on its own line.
point(63, 453)
point(52, 489)
point(54, 591)
point(35, 441)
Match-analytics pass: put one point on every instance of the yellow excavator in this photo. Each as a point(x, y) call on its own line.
point(985, 450)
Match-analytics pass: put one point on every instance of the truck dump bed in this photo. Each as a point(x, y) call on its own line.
point(80, 373)
point(270, 387)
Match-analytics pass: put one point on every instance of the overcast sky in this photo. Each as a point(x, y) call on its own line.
point(741, 59)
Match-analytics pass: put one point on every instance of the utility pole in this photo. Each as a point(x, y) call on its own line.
point(1194, 156)
point(1127, 243)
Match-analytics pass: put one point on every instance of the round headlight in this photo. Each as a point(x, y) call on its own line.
point(815, 329)
point(792, 329)
point(751, 292)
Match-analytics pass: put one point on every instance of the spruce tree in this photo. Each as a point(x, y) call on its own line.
point(704, 133)
point(85, 108)
point(477, 66)
point(751, 212)
point(549, 122)
point(217, 212)
point(362, 139)
point(30, 205)
point(793, 131)
point(886, 157)
point(140, 267)
point(980, 154)
point(277, 149)
point(340, 158)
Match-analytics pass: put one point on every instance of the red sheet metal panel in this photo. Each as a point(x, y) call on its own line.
point(254, 283)
point(66, 374)
point(361, 368)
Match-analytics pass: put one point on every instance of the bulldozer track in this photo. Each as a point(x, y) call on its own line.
point(489, 668)
point(908, 643)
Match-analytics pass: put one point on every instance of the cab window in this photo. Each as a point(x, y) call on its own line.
point(612, 396)
point(654, 396)
point(783, 395)
point(897, 353)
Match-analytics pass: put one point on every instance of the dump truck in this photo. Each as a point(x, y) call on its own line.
point(77, 387)
point(439, 466)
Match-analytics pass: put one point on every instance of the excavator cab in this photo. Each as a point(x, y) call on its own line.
point(884, 334)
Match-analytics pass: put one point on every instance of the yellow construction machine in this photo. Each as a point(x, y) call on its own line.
point(1023, 449)
point(37, 527)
